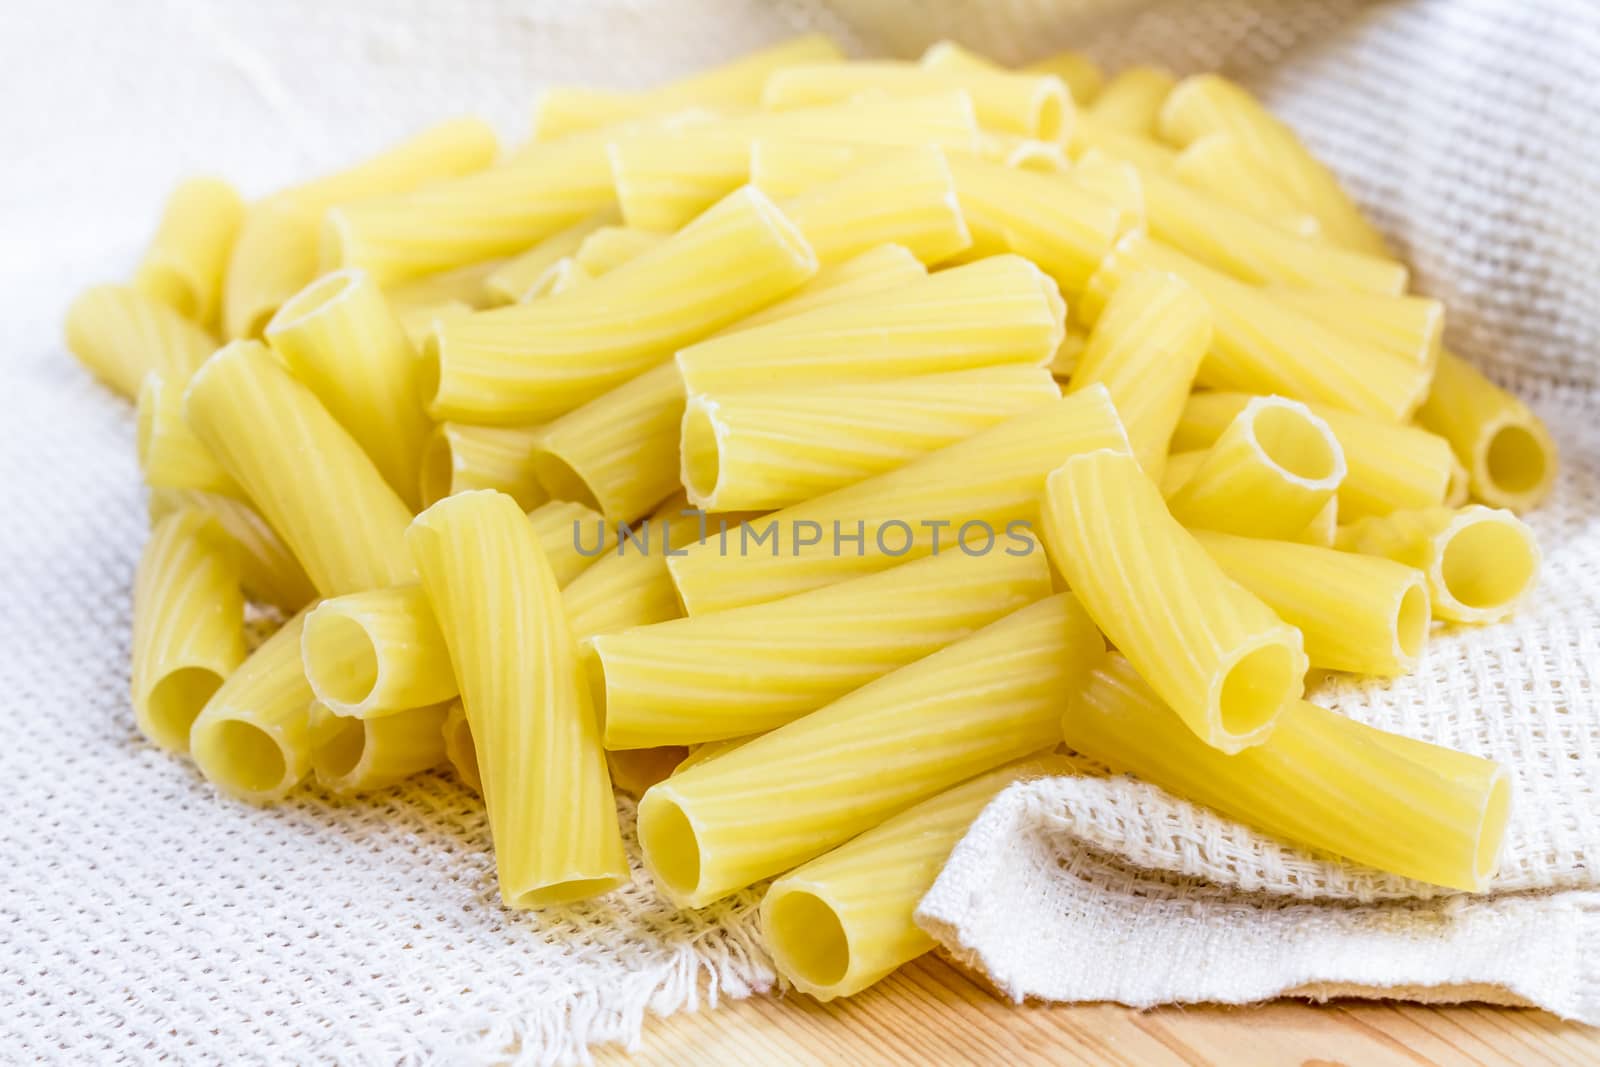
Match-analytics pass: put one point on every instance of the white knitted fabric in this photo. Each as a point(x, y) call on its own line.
point(143, 916)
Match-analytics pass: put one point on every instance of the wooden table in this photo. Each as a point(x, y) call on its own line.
point(930, 1015)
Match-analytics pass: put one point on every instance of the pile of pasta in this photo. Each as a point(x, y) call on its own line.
point(813, 449)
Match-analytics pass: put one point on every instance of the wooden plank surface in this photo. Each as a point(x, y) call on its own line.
point(931, 1014)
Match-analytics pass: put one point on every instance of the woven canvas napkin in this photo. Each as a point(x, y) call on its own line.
point(143, 915)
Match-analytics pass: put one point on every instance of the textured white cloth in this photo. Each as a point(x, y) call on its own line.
point(143, 916)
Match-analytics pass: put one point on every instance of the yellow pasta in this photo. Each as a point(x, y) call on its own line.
point(1090, 135)
point(532, 362)
point(551, 813)
point(988, 486)
point(631, 585)
point(268, 571)
point(1225, 662)
point(1145, 349)
point(634, 770)
point(1132, 99)
point(1261, 346)
point(1268, 475)
point(1219, 164)
point(734, 85)
point(170, 455)
point(188, 625)
point(277, 251)
point(751, 669)
point(1208, 103)
point(467, 284)
point(341, 339)
point(1387, 467)
point(1356, 613)
point(308, 477)
point(1068, 352)
point(374, 653)
point(360, 755)
point(1323, 529)
point(518, 278)
point(665, 179)
point(1046, 157)
point(908, 199)
point(253, 739)
point(1115, 181)
point(186, 259)
point(1508, 453)
point(998, 311)
point(844, 920)
point(495, 212)
point(1032, 105)
point(1321, 780)
point(1080, 73)
point(120, 335)
point(1459, 489)
point(458, 747)
point(1411, 327)
point(571, 537)
point(566, 275)
point(1481, 563)
point(769, 449)
point(618, 453)
point(459, 457)
point(709, 751)
point(1252, 250)
point(807, 787)
point(610, 247)
point(1065, 229)
point(419, 321)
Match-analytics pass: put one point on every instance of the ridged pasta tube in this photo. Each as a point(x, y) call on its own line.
point(459, 457)
point(120, 335)
point(1261, 346)
point(1481, 563)
point(458, 746)
point(339, 337)
point(562, 111)
point(495, 212)
point(770, 449)
point(997, 311)
point(188, 625)
point(268, 571)
point(1255, 251)
point(1046, 157)
point(610, 247)
point(1114, 181)
point(618, 453)
point(306, 471)
point(1090, 135)
point(419, 322)
point(665, 179)
point(254, 738)
point(1132, 99)
point(1146, 348)
point(532, 362)
point(276, 253)
point(807, 787)
point(360, 755)
point(908, 199)
point(1220, 165)
point(989, 485)
point(1321, 780)
point(170, 455)
point(1508, 453)
point(1032, 105)
point(1208, 103)
point(1387, 467)
point(1356, 613)
point(1081, 74)
point(518, 278)
point(752, 669)
point(1268, 475)
point(374, 653)
point(465, 284)
point(633, 770)
point(537, 743)
point(1066, 229)
point(184, 263)
point(1227, 664)
point(844, 920)
point(1412, 327)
